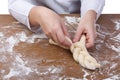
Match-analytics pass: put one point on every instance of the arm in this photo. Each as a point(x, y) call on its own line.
point(95, 5)
point(19, 12)
point(50, 22)
point(90, 11)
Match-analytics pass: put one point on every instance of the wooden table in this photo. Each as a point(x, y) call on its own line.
point(28, 56)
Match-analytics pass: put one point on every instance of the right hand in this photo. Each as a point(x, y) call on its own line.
point(87, 26)
point(51, 23)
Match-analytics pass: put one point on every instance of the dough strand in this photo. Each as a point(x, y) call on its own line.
point(80, 53)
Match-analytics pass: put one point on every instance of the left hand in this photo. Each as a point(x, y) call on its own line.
point(87, 27)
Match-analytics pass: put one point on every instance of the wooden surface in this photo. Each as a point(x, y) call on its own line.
point(28, 56)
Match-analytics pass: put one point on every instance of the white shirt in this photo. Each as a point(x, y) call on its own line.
point(20, 9)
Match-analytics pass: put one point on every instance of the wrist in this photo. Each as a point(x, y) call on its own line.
point(90, 16)
point(35, 15)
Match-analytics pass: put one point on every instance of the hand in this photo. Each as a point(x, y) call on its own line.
point(51, 23)
point(87, 27)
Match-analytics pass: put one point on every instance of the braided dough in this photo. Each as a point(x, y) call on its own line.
point(80, 53)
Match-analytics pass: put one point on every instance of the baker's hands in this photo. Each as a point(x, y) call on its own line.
point(87, 27)
point(51, 23)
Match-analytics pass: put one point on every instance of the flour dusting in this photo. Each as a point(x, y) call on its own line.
point(16, 65)
point(85, 74)
point(1, 34)
point(10, 43)
point(72, 20)
point(117, 22)
point(115, 77)
point(18, 68)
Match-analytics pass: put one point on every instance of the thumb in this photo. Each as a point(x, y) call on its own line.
point(77, 35)
point(65, 31)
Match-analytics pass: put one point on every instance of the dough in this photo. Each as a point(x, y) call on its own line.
point(80, 53)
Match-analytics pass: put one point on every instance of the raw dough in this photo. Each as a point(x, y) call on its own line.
point(80, 53)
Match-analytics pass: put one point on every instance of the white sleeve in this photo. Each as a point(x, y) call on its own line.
point(96, 5)
point(20, 9)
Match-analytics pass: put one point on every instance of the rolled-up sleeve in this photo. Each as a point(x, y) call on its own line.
point(96, 5)
point(20, 9)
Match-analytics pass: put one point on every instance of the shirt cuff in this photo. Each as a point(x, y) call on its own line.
point(96, 5)
point(20, 12)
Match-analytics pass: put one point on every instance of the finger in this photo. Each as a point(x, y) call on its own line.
point(65, 31)
point(89, 41)
point(77, 35)
point(48, 36)
point(61, 37)
point(54, 37)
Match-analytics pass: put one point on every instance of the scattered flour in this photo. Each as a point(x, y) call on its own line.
point(9, 43)
point(117, 22)
point(72, 20)
point(11, 74)
point(20, 68)
point(71, 78)
point(116, 38)
point(1, 34)
point(115, 77)
point(116, 49)
point(113, 66)
point(85, 74)
point(3, 58)
point(116, 46)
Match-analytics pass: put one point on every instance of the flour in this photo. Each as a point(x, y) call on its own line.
point(18, 68)
point(112, 37)
point(115, 46)
point(53, 69)
point(101, 33)
point(117, 26)
point(105, 62)
point(113, 66)
point(115, 77)
point(3, 58)
point(72, 20)
point(70, 78)
point(2, 71)
point(31, 39)
point(11, 74)
point(21, 36)
point(1, 34)
point(85, 74)
point(116, 38)
point(46, 70)
point(11, 43)
point(116, 49)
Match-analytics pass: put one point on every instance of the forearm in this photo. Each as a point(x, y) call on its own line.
point(33, 16)
point(89, 16)
point(51, 24)
point(36, 14)
point(39, 15)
